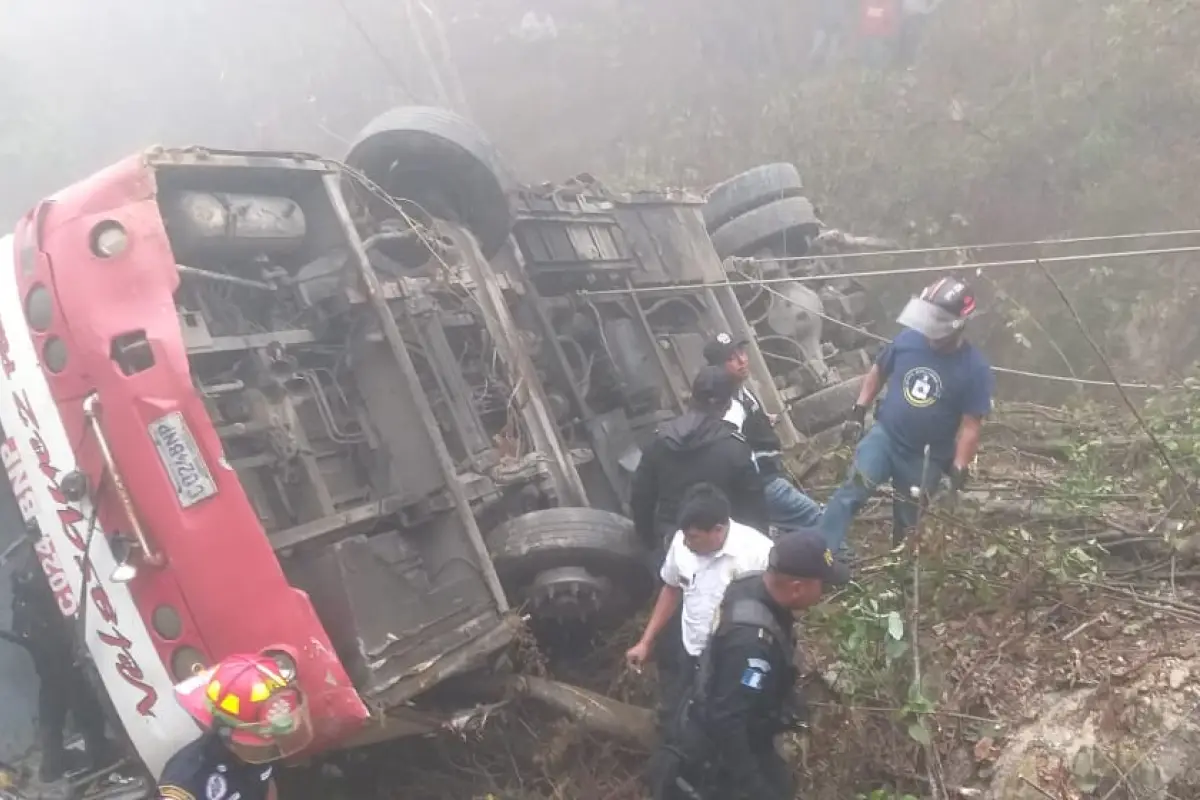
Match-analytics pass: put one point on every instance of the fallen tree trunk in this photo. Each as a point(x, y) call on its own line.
point(628, 723)
point(595, 713)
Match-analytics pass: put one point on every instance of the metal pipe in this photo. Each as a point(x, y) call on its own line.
point(550, 335)
point(395, 340)
point(680, 405)
point(91, 410)
point(501, 326)
point(389, 236)
point(220, 277)
point(215, 389)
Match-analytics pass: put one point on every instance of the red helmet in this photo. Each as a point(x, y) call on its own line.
point(253, 704)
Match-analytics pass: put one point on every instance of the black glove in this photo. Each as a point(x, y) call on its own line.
point(852, 428)
point(958, 477)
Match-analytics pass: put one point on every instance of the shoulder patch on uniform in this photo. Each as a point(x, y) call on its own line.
point(753, 679)
point(216, 787)
point(169, 792)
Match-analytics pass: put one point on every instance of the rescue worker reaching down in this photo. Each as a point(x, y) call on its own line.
point(722, 745)
point(939, 389)
point(788, 508)
point(696, 447)
point(251, 714)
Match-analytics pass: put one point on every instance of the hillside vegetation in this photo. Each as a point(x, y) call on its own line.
point(1020, 120)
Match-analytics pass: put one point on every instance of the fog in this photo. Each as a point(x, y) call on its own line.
point(84, 83)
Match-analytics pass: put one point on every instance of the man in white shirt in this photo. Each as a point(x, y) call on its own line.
point(705, 555)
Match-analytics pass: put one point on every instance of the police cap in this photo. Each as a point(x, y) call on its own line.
point(721, 348)
point(804, 554)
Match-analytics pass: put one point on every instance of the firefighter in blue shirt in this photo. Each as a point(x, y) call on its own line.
point(939, 389)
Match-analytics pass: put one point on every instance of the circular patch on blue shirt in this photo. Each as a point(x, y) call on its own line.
point(922, 387)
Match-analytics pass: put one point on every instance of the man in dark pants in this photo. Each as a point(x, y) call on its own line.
point(41, 629)
point(708, 552)
point(939, 389)
point(724, 743)
point(788, 508)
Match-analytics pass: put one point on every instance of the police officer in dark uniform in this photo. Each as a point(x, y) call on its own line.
point(251, 714)
point(724, 743)
point(39, 626)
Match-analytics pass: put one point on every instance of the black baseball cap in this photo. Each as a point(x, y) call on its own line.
point(713, 387)
point(721, 348)
point(804, 554)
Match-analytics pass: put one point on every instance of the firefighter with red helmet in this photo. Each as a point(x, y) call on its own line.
point(252, 714)
point(939, 389)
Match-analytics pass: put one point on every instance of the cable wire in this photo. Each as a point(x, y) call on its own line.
point(388, 65)
point(372, 187)
point(1003, 370)
point(879, 273)
point(985, 246)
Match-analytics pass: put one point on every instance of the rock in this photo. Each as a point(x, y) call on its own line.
point(1084, 741)
point(836, 679)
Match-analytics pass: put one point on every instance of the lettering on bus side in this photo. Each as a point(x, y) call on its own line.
point(47, 556)
point(6, 362)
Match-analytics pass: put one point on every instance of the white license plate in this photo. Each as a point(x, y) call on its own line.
point(181, 457)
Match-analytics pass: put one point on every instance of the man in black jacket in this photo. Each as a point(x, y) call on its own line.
point(697, 447)
point(788, 508)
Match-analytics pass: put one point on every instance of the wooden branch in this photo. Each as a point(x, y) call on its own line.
point(630, 724)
